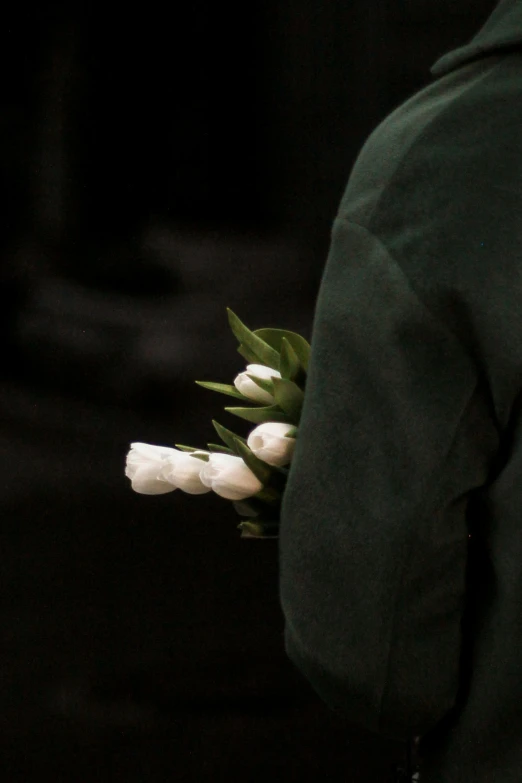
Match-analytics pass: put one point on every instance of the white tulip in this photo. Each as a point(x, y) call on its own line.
point(182, 471)
point(268, 443)
point(144, 465)
point(229, 477)
point(249, 389)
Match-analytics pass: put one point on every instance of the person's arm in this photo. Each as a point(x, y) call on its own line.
point(395, 434)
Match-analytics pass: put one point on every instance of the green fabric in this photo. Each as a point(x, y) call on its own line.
point(410, 435)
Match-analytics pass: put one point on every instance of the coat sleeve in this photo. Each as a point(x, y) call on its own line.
point(394, 437)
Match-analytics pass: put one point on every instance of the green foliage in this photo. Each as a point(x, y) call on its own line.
point(214, 447)
point(186, 448)
point(289, 365)
point(259, 528)
point(228, 437)
point(290, 398)
point(274, 338)
point(261, 415)
point(252, 345)
point(202, 457)
point(260, 469)
point(223, 388)
point(248, 507)
point(267, 384)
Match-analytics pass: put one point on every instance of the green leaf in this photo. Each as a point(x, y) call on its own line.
point(289, 397)
point(221, 449)
point(260, 469)
point(223, 388)
point(202, 457)
point(259, 529)
point(274, 338)
point(260, 415)
point(249, 356)
point(186, 448)
point(267, 355)
point(290, 365)
point(228, 437)
point(264, 383)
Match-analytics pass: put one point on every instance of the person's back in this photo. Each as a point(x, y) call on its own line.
point(401, 542)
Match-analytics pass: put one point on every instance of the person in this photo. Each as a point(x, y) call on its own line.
point(400, 547)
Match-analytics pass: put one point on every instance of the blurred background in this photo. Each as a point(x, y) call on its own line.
point(159, 164)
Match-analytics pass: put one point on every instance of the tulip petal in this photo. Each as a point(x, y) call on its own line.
point(229, 477)
point(152, 452)
point(232, 492)
point(184, 472)
point(146, 481)
point(249, 389)
point(269, 443)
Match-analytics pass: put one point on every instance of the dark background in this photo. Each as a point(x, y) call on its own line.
point(158, 164)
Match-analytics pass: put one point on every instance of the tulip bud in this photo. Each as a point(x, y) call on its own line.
point(144, 465)
point(182, 471)
point(229, 477)
point(249, 389)
point(269, 444)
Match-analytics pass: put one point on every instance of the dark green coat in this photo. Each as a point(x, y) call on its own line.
point(411, 431)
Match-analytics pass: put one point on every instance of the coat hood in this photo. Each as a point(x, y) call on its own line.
point(502, 31)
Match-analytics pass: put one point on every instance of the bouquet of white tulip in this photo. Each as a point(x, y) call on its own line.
point(251, 472)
